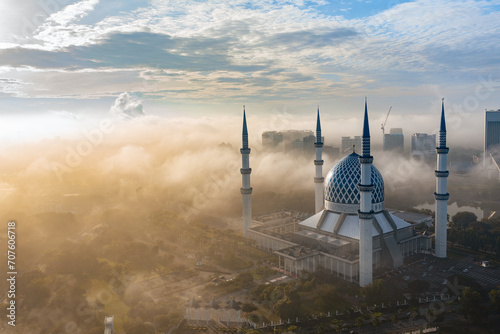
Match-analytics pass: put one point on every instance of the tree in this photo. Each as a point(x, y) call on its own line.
point(430, 315)
point(494, 296)
point(471, 306)
point(247, 307)
point(418, 286)
point(338, 324)
point(358, 322)
point(463, 218)
point(326, 298)
point(413, 314)
point(288, 306)
point(375, 292)
point(497, 247)
point(376, 321)
point(320, 330)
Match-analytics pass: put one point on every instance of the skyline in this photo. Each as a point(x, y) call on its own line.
point(136, 183)
point(63, 61)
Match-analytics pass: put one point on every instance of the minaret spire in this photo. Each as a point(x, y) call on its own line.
point(366, 133)
point(245, 131)
point(318, 128)
point(365, 212)
point(442, 128)
point(318, 162)
point(246, 190)
point(441, 195)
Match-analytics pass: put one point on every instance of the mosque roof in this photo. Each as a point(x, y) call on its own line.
point(347, 225)
point(342, 182)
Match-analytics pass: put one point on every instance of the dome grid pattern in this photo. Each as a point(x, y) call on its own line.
point(342, 182)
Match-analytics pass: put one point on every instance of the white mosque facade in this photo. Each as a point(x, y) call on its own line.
point(351, 233)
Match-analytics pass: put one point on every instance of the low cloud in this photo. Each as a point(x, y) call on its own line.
point(67, 115)
point(127, 106)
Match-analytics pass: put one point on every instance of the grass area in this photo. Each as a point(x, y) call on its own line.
point(117, 308)
point(232, 261)
point(96, 288)
point(101, 292)
point(262, 272)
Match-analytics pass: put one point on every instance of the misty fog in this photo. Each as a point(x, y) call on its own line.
point(88, 203)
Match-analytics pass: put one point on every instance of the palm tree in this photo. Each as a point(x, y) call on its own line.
point(430, 315)
point(358, 322)
point(376, 319)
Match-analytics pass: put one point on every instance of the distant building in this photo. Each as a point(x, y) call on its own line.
point(297, 141)
point(286, 141)
point(272, 139)
point(294, 140)
point(292, 135)
point(332, 152)
point(349, 142)
point(491, 133)
point(394, 141)
point(493, 167)
point(109, 325)
point(423, 147)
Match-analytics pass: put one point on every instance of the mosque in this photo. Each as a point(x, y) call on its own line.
point(351, 233)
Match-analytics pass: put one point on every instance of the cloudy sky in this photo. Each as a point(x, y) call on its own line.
point(67, 59)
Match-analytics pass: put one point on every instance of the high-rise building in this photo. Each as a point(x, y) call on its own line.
point(287, 141)
point(491, 133)
point(423, 147)
point(300, 142)
point(394, 141)
point(351, 144)
point(271, 139)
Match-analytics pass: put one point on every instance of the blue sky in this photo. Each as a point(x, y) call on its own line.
point(195, 58)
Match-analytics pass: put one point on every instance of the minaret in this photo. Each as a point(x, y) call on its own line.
point(365, 212)
point(318, 162)
point(441, 194)
point(246, 190)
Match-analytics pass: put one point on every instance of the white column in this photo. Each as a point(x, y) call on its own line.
point(246, 189)
point(365, 209)
point(441, 195)
point(365, 226)
point(318, 162)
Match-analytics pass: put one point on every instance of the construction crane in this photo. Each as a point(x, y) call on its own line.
point(383, 125)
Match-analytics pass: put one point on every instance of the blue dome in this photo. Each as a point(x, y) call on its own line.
point(342, 182)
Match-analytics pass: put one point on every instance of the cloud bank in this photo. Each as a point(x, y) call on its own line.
point(127, 106)
point(278, 51)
